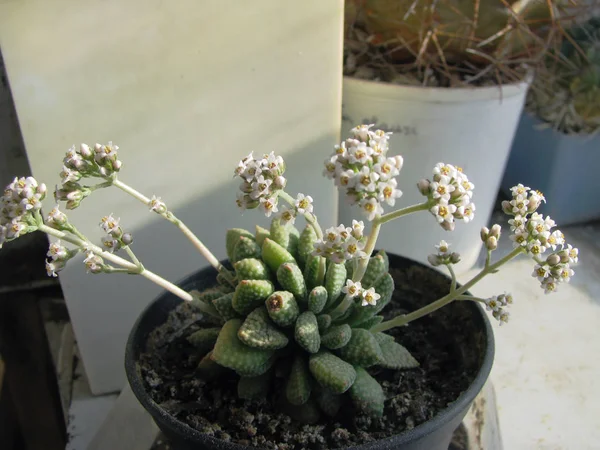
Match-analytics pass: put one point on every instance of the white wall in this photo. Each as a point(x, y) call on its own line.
point(185, 88)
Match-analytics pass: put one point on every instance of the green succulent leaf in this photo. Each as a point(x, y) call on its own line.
point(232, 237)
point(204, 339)
point(224, 306)
point(370, 323)
point(246, 247)
point(376, 269)
point(282, 308)
point(366, 394)
point(362, 314)
point(298, 387)
point(332, 372)
point(291, 279)
point(337, 336)
point(362, 349)
point(317, 299)
point(307, 332)
point(259, 332)
point(252, 388)
point(306, 244)
point(249, 294)
point(208, 369)
point(394, 355)
point(335, 279)
point(324, 322)
point(232, 353)
point(252, 269)
point(261, 234)
point(280, 233)
point(328, 402)
point(312, 273)
point(275, 255)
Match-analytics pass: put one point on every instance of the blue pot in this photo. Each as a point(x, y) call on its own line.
point(563, 167)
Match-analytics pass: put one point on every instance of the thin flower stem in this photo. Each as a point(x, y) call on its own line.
point(204, 251)
point(84, 244)
point(406, 318)
point(470, 297)
point(369, 247)
point(453, 275)
point(401, 212)
point(488, 259)
point(133, 257)
point(99, 186)
point(341, 308)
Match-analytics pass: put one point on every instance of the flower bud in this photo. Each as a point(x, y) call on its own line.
point(506, 207)
point(534, 203)
point(116, 164)
point(454, 258)
point(553, 259)
point(495, 231)
point(398, 162)
point(564, 256)
point(448, 226)
point(491, 243)
point(98, 148)
point(434, 260)
point(484, 233)
point(279, 182)
point(85, 150)
point(127, 239)
point(423, 186)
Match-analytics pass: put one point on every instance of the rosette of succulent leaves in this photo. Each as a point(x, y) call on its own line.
point(302, 305)
point(566, 90)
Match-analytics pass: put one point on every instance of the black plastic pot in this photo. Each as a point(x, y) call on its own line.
point(434, 434)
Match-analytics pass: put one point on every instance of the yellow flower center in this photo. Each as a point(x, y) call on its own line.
point(443, 211)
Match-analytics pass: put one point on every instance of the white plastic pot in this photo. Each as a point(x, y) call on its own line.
point(469, 127)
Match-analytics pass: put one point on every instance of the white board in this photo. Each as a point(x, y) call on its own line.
point(185, 89)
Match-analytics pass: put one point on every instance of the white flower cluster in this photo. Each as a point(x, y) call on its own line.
point(496, 304)
point(302, 205)
point(361, 167)
point(262, 179)
point(58, 256)
point(93, 263)
point(443, 255)
point(116, 239)
point(101, 161)
point(449, 195)
point(342, 243)
point(533, 232)
point(20, 198)
point(368, 297)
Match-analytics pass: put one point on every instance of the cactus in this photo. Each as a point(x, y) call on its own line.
point(566, 91)
point(278, 323)
point(459, 40)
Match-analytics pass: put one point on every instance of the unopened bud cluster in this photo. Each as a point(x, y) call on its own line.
point(58, 256)
point(444, 256)
point(361, 168)
point(100, 161)
point(262, 179)
point(497, 305)
point(20, 199)
point(116, 238)
point(342, 243)
point(449, 195)
point(490, 237)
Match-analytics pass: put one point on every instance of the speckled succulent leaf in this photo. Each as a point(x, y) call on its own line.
point(251, 269)
point(261, 234)
point(280, 233)
point(275, 255)
point(312, 274)
point(331, 372)
point(225, 283)
point(306, 244)
point(282, 308)
point(208, 369)
point(252, 388)
point(362, 349)
point(298, 386)
point(207, 295)
point(350, 268)
point(385, 288)
point(249, 294)
point(224, 306)
point(395, 356)
point(245, 248)
point(232, 237)
point(369, 323)
point(336, 336)
point(317, 299)
point(259, 332)
point(324, 322)
point(366, 394)
point(344, 317)
point(328, 402)
point(204, 339)
point(375, 270)
point(306, 332)
point(232, 353)
point(307, 413)
point(335, 279)
point(292, 246)
point(202, 301)
point(291, 279)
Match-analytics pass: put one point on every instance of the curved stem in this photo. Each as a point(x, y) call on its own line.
point(133, 257)
point(453, 275)
point(369, 247)
point(401, 212)
point(406, 318)
point(341, 308)
point(310, 218)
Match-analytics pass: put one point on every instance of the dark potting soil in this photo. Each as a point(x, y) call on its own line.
point(446, 343)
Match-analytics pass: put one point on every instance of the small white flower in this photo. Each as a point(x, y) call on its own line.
point(346, 179)
point(361, 132)
point(519, 238)
point(517, 222)
point(442, 189)
point(260, 187)
point(541, 272)
point(443, 213)
point(15, 228)
point(388, 192)
point(268, 205)
point(502, 316)
point(304, 204)
point(369, 297)
point(519, 206)
point(109, 224)
point(157, 205)
point(243, 165)
point(466, 213)
point(443, 247)
point(519, 190)
point(353, 249)
point(573, 254)
point(492, 304)
point(110, 245)
point(387, 169)
point(69, 176)
point(357, 229)
point(366, 180)
point(352, 289)
point(53, 267)
point(57, 251)
point(288, 216)
point(331, 236)
point(535, 247)
point(549, 285)
point(370, 207)
point(445, 170)
point(360, 154)
point(555, 239)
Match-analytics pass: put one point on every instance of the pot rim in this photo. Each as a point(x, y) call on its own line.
point(427, 94)
point(443, 417)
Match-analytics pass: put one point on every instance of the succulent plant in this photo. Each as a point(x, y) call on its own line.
point(566, 92)
point(280, 319)
point(459, 39)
